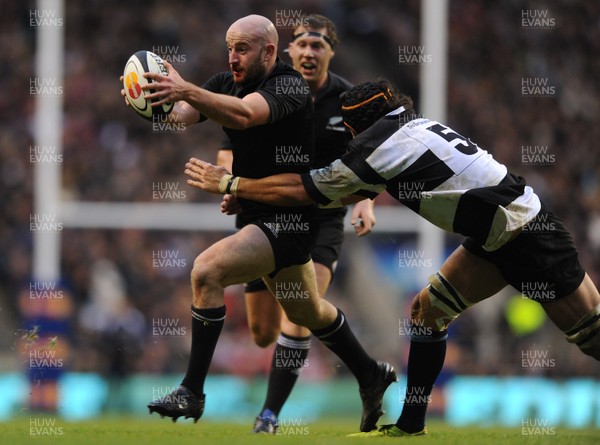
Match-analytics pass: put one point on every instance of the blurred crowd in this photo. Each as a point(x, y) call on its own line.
point(122, 302)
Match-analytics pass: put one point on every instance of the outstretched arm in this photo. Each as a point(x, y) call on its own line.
point(285, 189)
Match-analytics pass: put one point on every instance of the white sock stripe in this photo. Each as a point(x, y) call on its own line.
point(201, 318)
point(320, 337)
point(293, 343)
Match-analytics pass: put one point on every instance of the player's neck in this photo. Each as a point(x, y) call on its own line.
point(317, 84)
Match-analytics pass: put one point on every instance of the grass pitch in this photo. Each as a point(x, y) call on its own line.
point(133, 431)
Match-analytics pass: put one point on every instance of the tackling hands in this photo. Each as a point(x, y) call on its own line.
point(216, 179)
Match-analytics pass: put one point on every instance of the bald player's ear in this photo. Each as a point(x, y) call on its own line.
point(269, 51)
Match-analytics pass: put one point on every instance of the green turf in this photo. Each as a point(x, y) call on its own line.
point(154, 431)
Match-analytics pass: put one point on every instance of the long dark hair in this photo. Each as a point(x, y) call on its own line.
point(365, 103)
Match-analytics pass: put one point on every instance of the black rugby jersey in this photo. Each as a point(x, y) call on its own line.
point(331, 135)
point(441, 175)
point(285, 144)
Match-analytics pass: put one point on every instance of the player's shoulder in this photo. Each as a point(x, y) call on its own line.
point(284, 69)
point(338, 82)
point(219, 82)
point(330, 92)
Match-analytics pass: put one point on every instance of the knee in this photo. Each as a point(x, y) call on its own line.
point(263, 335)
point(204, 274)
point(437, 305)
point(421, 312)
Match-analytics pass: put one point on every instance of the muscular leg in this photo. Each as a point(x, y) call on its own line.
point(264, 317)
point(291, 350)
point(323, 275)
point(225, 262)
point(582, 305)
point(304, 307)
point(235, 259)
point(473, 279)
point(296, 290)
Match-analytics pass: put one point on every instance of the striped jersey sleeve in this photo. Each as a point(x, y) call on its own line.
point(434, 171)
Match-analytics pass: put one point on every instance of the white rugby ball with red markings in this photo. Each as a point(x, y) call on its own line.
point(133, 80)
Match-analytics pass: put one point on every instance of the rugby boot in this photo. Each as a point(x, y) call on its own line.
point(181, 402)
point(372, 396)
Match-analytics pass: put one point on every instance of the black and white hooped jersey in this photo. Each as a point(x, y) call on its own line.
point(436, 172)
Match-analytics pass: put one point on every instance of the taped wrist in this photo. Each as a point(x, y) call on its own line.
point(228, 185)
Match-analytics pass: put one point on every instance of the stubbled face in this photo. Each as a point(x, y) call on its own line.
point(311, 56)
point(245, 56)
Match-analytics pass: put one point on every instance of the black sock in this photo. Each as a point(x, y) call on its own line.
point(206, 328)
point(425, 361)
point(289, 358)
point(338, 337)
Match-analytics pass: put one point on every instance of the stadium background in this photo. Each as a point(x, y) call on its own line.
point(108, 321)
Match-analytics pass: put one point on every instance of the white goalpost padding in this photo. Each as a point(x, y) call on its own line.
point(434, 38)
point(48, 132)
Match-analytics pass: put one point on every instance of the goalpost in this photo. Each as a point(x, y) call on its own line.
point(48, 204)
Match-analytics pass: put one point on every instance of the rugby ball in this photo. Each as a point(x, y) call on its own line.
point(133, 80)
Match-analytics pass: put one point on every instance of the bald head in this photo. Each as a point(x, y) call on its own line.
point(252, 44)
point(255, 27)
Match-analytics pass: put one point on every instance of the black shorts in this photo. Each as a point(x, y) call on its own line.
point(541, 262)
point(328, 244)
point(292, 235)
